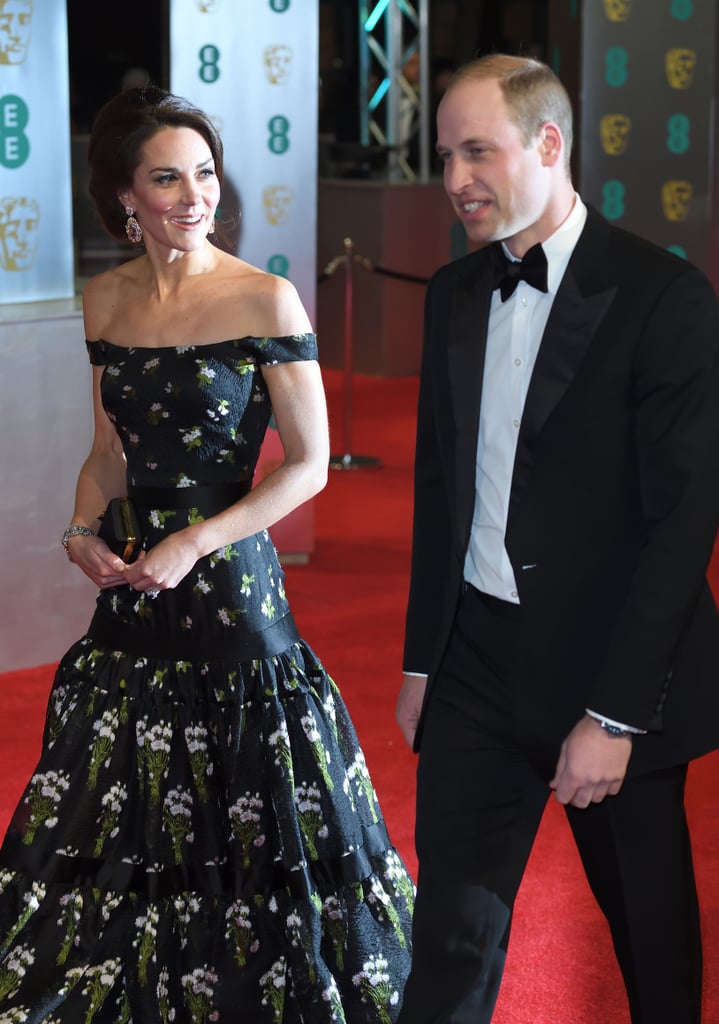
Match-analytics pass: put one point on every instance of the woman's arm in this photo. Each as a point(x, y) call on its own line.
point(300, 413)
point(101, 477)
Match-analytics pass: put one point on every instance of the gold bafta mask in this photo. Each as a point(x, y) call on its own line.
point(679, 64)
point(15, 23)
point(19, 226)
point(676, 199)
point(207, 6)
point(618, 10)
point(278, 61)
point(615, 130)
point(276, 201)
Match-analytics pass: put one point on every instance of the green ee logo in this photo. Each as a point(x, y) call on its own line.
point(279, 265)
point(14, 143)
point(209, 63)
point(279, 128)
point(280, 6)
point(613, 200)
point(678, 133)
point(616, 71)
point(682, 10)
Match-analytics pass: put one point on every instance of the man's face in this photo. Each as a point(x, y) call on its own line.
point(498, 187)
point(15, 20)
point(19, 223)
point(411, 69)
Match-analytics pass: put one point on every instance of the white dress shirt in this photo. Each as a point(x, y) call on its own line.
point(513, 338)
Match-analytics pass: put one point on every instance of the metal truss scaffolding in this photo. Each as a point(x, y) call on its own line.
point(394, 110)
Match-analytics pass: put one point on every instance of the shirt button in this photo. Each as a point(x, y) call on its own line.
point(516, 423)
point(514, 593)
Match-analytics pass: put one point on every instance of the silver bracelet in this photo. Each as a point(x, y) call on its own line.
point(75, 530)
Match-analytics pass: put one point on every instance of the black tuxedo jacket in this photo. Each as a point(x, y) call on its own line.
point(614, 503)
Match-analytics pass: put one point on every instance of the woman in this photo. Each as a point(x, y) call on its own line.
point(200, 840)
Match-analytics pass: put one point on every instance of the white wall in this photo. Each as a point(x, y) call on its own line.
point(45, 602)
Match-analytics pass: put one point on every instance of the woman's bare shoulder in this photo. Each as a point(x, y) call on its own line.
point(104, 294)
point(271, 305)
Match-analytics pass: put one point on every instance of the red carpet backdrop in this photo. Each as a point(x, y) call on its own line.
point(349, 603)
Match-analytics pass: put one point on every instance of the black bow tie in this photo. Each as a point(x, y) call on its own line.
point(508, 273)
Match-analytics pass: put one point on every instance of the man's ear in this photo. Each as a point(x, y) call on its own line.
point(551, 143)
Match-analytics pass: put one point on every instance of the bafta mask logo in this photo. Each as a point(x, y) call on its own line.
point(278, 62)
point(676, 199)
point(618, 10)
point(276, 201)
point(19, 226)
point(615, 130)
point(15, 22)
point(680, 64)
point(207, 6)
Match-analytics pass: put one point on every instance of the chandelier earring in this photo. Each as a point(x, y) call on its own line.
point(133, 228)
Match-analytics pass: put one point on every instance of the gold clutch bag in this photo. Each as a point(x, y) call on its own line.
point(120, 529)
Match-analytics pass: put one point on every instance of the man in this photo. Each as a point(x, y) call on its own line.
point(566, 505)
point(409, 111)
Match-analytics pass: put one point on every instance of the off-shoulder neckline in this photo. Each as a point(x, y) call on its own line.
point(206, 344)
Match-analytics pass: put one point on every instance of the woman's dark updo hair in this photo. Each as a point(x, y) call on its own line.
point(119, 132)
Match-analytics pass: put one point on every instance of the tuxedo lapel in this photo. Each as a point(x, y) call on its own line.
point(582, 301)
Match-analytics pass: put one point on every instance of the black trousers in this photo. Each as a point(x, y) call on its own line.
point(480, 797)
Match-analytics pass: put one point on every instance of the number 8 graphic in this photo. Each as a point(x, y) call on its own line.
point(279, 128)
point(209, 63)
point(678, 133)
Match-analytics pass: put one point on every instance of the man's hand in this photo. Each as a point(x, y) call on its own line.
point(592, 765)
point(409, 706)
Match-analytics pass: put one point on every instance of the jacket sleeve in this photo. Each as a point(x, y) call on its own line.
point(431, 534)
point(676, 411)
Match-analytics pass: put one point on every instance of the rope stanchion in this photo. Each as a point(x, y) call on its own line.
point(347, 460)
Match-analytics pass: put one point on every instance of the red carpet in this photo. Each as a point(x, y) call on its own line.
point(349, 603)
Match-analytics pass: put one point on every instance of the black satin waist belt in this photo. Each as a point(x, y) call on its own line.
point(208, 497)
point(151, 642)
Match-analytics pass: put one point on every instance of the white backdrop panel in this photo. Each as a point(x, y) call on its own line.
point(36, 238)
point(253, 66)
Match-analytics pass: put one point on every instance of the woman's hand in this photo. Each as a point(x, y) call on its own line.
point(164, 565)
point(93, 556)
point(160, 568)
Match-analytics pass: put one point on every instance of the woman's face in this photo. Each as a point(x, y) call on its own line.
point(175, 190)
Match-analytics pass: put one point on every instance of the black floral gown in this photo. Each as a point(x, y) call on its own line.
point(200, 840)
